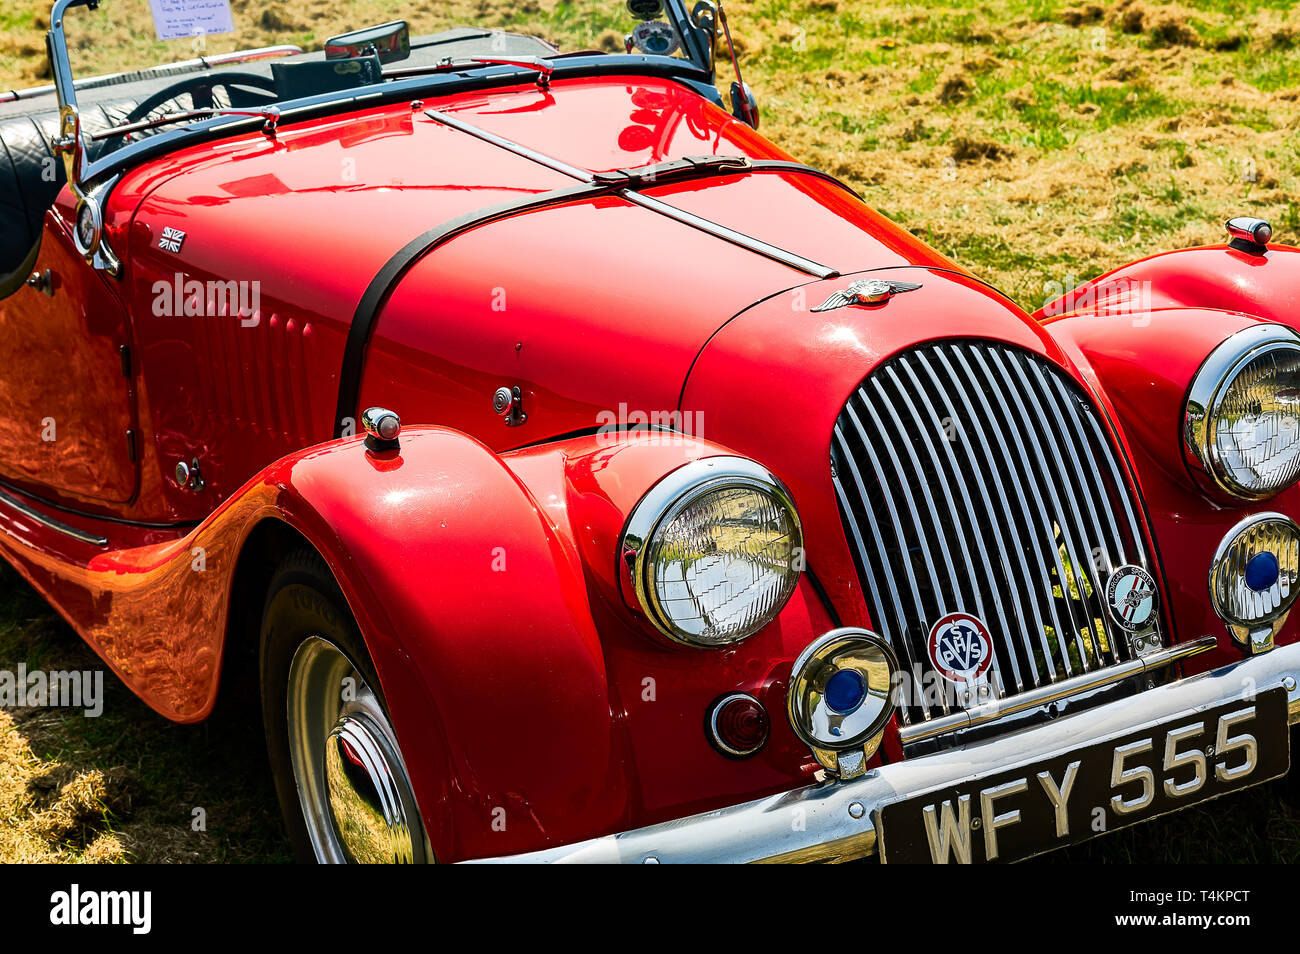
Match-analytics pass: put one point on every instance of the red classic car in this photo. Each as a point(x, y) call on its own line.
point(723, 521)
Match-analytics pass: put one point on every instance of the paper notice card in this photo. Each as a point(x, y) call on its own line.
point(176, 19)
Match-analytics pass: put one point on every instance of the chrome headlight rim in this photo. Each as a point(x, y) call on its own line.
point(1230, 540)
point(88, 207)
point(1209, 389)
point(674, 492)
point(809, 669)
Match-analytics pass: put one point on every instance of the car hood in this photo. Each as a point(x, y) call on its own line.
point(595, 308)
point(771, 383)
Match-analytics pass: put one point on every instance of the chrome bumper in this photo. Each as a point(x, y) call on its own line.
point(833, 821)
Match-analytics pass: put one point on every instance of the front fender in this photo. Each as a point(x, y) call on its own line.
point(1214, 277)
point(534, 705)
point(1142, 364)
point(476, 617)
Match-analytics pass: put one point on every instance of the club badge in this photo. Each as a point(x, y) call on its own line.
point(960, 648)
point(1131, 596)
point(654, 37)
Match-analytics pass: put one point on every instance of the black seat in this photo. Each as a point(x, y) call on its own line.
point(31, 177)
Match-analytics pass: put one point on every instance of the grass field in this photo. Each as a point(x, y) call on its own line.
point(1037, 142)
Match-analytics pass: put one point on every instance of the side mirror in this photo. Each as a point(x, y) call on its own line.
point(743, 104)
point(389, 41)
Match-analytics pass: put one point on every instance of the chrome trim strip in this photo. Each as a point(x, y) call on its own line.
point(731, 235)
point(447, 119)
point(63, 528)
point(838, 818)
point(715, 229)
point(1077, 685)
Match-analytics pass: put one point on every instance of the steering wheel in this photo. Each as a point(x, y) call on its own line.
point(200, 89)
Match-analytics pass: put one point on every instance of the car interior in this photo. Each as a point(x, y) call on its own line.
point(31, 175)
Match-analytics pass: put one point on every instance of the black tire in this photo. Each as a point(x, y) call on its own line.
point(303, 600)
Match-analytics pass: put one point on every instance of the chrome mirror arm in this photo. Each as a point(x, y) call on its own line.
point(69, 144)
point(696, 27)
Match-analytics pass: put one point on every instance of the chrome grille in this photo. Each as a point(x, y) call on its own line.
point(977, 478)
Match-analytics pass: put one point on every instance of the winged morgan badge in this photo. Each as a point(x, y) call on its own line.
point(866, 291)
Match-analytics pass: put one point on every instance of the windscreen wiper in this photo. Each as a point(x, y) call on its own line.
point(269, 114)
point(543, 67)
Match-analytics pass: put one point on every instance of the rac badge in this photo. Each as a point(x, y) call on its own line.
point(960, 648)
point(1131, 596)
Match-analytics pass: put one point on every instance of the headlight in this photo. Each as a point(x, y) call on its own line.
point(713, 551)
point(1243, 413)
point(1254, 576)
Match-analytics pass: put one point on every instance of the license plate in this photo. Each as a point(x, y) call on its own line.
point(1078, 794)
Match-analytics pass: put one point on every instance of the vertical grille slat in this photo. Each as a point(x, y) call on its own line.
point(1124, 498)
point(1069, 528)
point(976, 478)
point(1042, 531)
point(1031, 452)
point(1095, 499)
point(997, 519)
point(965, 529)
point(1016, 517)
point(886, 624)
point(919, 532)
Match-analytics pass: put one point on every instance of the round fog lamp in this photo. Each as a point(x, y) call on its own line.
point(1254, 576)
point(841, 689)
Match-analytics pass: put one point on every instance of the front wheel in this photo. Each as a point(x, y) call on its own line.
point(339, 773)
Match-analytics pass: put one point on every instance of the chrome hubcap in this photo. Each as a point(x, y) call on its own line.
point(352, 783)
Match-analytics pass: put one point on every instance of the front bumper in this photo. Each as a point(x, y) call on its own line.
point(834, 821)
